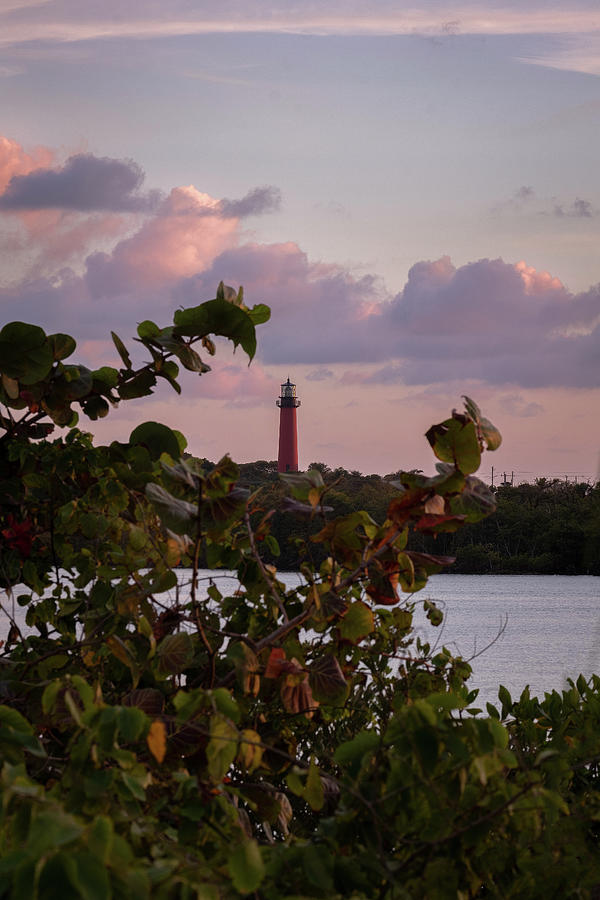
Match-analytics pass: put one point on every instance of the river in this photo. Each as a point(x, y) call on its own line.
point(551, 626)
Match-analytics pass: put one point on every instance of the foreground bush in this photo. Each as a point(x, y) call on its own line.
point(162, 738)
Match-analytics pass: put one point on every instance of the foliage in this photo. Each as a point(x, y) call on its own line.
point(548, 527)
point(160, 737)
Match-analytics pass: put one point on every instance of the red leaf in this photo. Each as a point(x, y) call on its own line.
point(274, 665)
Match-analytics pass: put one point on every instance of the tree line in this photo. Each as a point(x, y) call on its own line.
point(547, 527)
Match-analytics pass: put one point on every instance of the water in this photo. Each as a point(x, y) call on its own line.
point(551, 626)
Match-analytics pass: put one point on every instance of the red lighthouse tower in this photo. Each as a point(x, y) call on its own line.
point(288, 428)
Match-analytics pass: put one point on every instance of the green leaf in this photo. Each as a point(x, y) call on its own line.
point(318, 864)
point(218, 317)
point(122, 651)
point(52, 829)
point(25, 352)
point(426, 747)
point(246, 867)
point(121, 350)
point(475, 502)
point(95, 407)
point(259, 313)
point(105, 378)
point(49, 696)
point(302, 483)
point(147, 329)
point(134, 786)
point(61, 345)
point(506, 701)
point(357, 622)
point(139, 386)
point(132, 722)
point(226, 704)
point(455, 441)
point(156, 438)
point(91, 879)
point(313, 789)
point(100, 837)
point(351, 753)
point(488, 432)
point(177, 515)
point(222, 747)
point(12, 719)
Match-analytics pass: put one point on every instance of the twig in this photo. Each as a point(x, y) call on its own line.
point(264, 571)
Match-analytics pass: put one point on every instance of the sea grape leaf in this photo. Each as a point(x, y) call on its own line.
point(25, 352)
point(149, 700)
point(175, 653)
point(352, 752)
point(357, 622)
point(95, 407)
point(156, 438)
point(313, 789)
point(488, 433)
point(220, 317)
point(259, 313)
point(327, 679)
point(157, 740)
point(105, 377)
point(476, 501)
point(11, 386)
point(302, 483)
point(147, 329)
point(246, 867)
point(455, 441)
point(177, 515)
point(61, 345)
point(121, 350)
point(250, 752)
point(139, 386)
point(222, 747)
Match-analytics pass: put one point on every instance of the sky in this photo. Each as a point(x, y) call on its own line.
point(413, 189)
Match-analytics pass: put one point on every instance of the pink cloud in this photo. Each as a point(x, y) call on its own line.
point(15, 161)
point(490, 321)
point(183, 238)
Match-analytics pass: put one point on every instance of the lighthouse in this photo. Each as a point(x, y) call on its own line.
point(288, 428)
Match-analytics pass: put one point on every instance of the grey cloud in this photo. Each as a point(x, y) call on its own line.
point(320, 374)
point(577, 209)
point(85, 183)
point(486, 321)
point(518, 199)
point(523, 194)
point(256, 202)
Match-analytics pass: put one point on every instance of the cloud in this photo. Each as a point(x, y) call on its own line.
point(577, 209)
point(515, 405)
point(256, 202)
point(523, 194)
point(85, 183)
point(523, 198)
point(15, 161)
point(70, 22)
point(183, 237)
point(490, 321)
point(320, 374)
